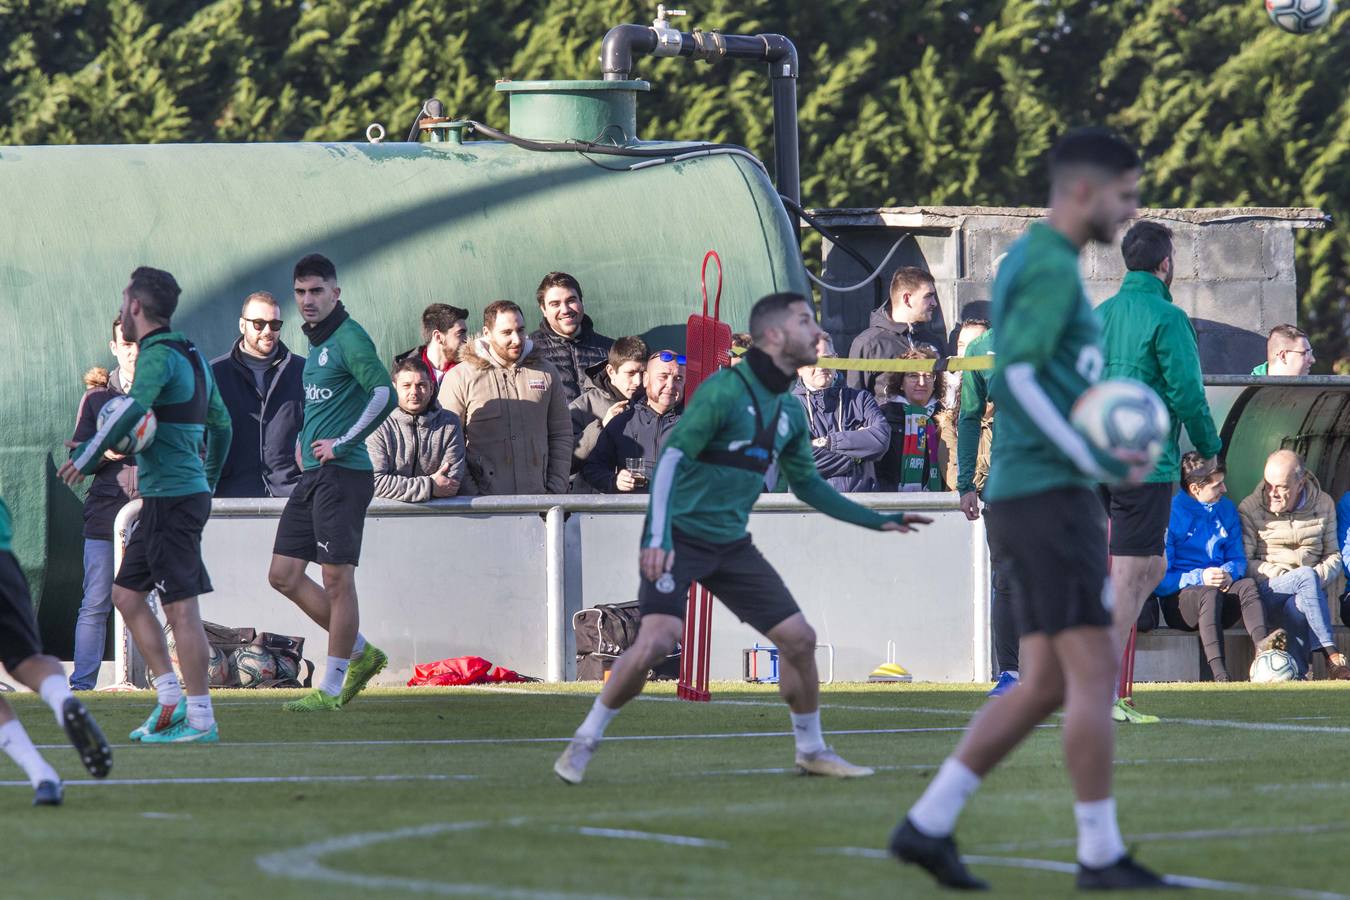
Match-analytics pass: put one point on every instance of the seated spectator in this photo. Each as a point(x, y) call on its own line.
point(444, 328)
point(517, 433)
point(890, 333)
point(418, 451)
point(949, 413)
point(1343, 530)
point(907, 402)
point(1289, 534)
point(113, 487)
point(262, 384)
point(566, 337)
point(1288, 353)
point(1206, 588)
point(848, 431)
point(639, 431)
point(740, 342)
point(612, 384)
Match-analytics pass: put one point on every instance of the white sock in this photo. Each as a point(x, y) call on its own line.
point(334, 675)
point(936, 811)
point(55, 691)
point(169, 690)
point(806, 729)
point(199, 713)
point(360, 646)
point(15, 742)
point(597, 720)
point(1099, 840)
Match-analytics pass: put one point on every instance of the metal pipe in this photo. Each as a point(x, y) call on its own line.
point(555, 609)
point(122, 525)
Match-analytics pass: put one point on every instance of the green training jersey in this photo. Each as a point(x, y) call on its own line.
point(171, 465)
point(347, 393)
point(970, 421)
point(1046, 353)
point(711, 501)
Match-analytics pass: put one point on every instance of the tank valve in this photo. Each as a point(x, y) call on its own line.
point(668, 39)
point(374, 132)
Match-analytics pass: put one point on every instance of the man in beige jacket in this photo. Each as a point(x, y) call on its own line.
point(1289, 533)
point(517, 431)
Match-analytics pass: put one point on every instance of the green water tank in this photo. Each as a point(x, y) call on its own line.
point(1310, 416)
point(406, 224)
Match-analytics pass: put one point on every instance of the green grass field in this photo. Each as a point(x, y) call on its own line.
point(447, 792)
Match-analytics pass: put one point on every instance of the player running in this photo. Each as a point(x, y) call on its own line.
point(165, 551)
point(21, 652)
point(713, 466)
point(1044, 518)
point(347, 395)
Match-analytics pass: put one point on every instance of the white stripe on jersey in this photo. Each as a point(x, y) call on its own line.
point(661, 487)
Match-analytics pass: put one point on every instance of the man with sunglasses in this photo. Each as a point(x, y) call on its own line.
point(262, 384)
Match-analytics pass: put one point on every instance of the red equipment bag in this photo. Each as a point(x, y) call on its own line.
point(462, 670)
point(707, 341)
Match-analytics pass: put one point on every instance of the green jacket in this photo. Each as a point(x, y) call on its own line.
point(1261, 369)
point(1147, 338)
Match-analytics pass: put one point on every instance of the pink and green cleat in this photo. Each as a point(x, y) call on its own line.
point(161, 719)
point(183, 733)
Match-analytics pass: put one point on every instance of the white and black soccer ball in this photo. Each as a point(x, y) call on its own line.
point(1300, 16)
point(1272, 666)
point(1123, 418)
point(139, 437)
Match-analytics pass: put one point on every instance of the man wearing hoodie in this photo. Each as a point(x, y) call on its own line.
point(1147, 338)
point(639, 431)
point(262, 384)
point(566, 338)
point(891, 330)
point(612, 384)
point(517, 433)
point(418, 452)
point(848, 431)
point(1205, 588)
point(1289, 534)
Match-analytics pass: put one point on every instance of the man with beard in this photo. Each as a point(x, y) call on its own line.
point(517, 432)
point(566, 338)
point(347, 395)
point(639, 431)
point(444, 328)
point(1045, 519)
point(711, 469)
point(262, 384)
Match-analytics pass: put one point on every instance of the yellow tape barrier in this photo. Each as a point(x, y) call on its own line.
point(955, 364)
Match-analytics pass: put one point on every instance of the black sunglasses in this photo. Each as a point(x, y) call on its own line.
point(667, 356)
point(260, 324)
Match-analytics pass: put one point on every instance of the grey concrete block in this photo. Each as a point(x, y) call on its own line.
point(1279, 253)
point(1185, 250)
point(1106, 263)
point(1279, 304)
point(1231, 253)
point(1100, 291)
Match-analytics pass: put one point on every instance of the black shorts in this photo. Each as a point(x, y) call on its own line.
point(735, 573)
point(1054, 545)
point(164, 552)
point(1139, 515)
point(18, 623)
point(325, 516)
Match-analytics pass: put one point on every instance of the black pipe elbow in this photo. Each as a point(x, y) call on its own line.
point(781, 54)
point(621, 42)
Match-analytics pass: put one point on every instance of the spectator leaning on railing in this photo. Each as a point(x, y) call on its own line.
point(418, 452)
point(1343, 530)
point(566, 337)
point(612, 384)
point(848, 432)
point(1206, 588)
point(517, 433)
point(890, 331)
point(1289, 534)
point(907, 402)
point(1289, 353)
point(639, 432)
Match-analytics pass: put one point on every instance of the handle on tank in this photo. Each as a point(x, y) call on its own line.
point(703, 277)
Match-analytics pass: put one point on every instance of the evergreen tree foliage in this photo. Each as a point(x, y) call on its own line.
point(901, 103)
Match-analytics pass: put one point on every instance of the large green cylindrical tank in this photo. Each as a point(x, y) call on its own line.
point(1310, 416)
point(406, 224)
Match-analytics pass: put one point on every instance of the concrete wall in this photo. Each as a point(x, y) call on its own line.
point(1234, 268)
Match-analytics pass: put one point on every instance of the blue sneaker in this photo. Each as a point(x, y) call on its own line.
point(161, 719)
point(183, 733)
point(1006, 682)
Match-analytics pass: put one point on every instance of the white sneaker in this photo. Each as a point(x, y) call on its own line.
point(827, 762)
point(571, 766)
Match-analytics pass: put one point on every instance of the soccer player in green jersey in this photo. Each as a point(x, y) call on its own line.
point(21, 653)
point(1046, 521)
point(711, 469)
point(347, 395)
point(164, 553)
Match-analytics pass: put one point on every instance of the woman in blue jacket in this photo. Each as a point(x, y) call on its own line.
point(1205, 589)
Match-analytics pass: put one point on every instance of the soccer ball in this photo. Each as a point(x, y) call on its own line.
point(1300, 16)
point(1273, 666)
point(219, 667)
point(254, 665)
point(139, 437)
point(1123, 418)
point(288, 668)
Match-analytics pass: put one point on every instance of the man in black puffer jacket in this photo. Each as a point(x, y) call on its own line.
point(639, 431)
point(566, 337)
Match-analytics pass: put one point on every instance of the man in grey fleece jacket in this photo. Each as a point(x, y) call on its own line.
point(418, 452)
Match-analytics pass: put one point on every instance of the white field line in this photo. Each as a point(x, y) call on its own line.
point(677, 840)
point(1263, 726)
point(1207, 834)
point(255, 779)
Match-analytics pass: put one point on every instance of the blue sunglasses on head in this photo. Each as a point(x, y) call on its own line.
point(668, 356)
